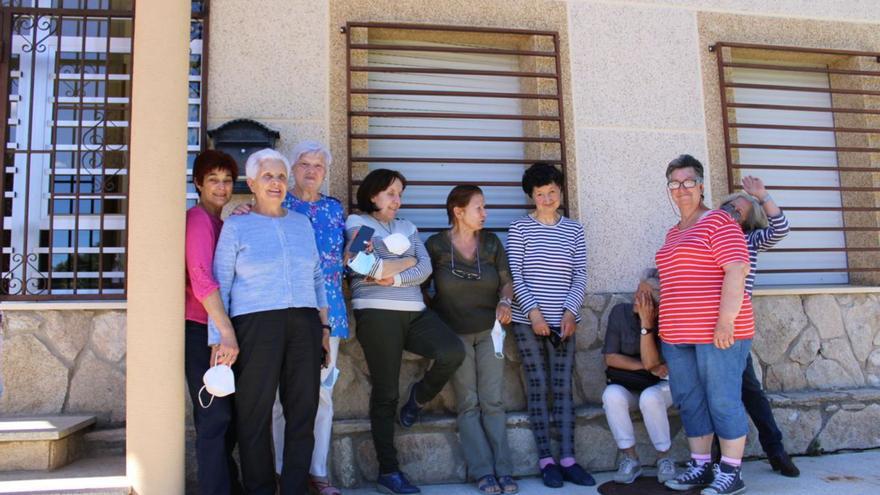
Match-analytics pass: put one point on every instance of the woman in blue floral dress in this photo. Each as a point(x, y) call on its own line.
point(310, 161)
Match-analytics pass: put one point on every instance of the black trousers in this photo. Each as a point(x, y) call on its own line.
point(384, 335)
point(215, 427)
point(281, 350)
point(759, 410)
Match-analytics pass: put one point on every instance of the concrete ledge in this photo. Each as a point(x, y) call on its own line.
point(41, 443)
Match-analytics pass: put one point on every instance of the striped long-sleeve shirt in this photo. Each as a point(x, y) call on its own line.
point(760, 240)
point(548, 264)
point(406, 293)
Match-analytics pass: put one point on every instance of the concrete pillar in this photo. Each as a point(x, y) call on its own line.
point(156, 227)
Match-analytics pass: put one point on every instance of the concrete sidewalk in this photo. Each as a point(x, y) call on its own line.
point(856, 473)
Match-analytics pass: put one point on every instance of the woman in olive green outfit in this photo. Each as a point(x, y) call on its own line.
point(473, 288)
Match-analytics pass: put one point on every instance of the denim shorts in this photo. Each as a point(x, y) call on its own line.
point(706, 384)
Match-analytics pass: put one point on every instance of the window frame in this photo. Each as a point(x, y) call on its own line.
point(858, 275)
point(559, 118)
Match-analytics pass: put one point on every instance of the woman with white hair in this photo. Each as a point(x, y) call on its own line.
point(272, 285)
point(310, 162)
point(764, 225)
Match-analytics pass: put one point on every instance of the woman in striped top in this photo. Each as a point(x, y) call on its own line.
point(547, 255)
point(706, 326)
point(391, 317)
point(764, 225)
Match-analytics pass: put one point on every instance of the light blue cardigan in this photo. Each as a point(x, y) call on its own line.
point(267, 263)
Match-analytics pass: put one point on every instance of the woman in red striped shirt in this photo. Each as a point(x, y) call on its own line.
point(706, 326)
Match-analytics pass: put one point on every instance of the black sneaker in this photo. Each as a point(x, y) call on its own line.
point(409, 413)
point(728, 481)
point(694, 476)
point(577, 475)
point(783, 463)
point(395, 483)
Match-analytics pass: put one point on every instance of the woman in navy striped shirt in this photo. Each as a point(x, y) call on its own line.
point(764, 225)
point(548, 256)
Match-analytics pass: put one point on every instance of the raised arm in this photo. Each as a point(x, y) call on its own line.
point(778, 228)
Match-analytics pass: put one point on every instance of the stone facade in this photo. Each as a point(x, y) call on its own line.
point(807, 348)
point(66, 361)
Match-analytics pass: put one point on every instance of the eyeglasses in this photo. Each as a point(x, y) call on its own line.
point(556, 337)
point(687, 183)
point(461, 273)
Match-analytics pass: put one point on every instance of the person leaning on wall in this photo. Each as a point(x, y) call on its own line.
point(472, 294)
point(764, 225)
point(271, 282)
point(214, 172)
point(392, 317)
point(548, 255)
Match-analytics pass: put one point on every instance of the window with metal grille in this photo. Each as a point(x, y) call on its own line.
point(807, 121)
point(453, 105)
point(66, 69)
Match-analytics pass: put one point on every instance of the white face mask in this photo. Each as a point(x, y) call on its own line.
point(498, 334)
point(397, 243)
point(219, 381)
point(332, 376)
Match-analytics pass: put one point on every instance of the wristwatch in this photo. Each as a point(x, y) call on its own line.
point(327, 327)
point(646, 331)
point(505, 300)
point(766, 198)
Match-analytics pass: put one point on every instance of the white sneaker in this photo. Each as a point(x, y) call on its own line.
point(665, 470)
point(628, 470)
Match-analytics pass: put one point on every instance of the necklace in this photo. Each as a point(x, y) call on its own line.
point(386, 227)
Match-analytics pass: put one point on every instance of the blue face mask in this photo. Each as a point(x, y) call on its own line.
point(362, 263)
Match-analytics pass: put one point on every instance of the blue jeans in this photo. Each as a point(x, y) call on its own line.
point(706, 384)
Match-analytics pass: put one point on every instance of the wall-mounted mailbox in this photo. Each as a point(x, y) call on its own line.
point(240, 138)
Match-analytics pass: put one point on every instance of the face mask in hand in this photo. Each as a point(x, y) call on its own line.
point(397, 243)
point(498, 334)
point(362, 263)
point(219, 381)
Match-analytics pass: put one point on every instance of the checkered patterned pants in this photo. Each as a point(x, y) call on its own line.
point(532, 350)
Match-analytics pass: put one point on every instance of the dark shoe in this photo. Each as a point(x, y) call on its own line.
point(728, 481)
point(552, 476)
point(577, 475)
point(693, 476)
point(783, 463)
point(395, 483)
point(409, 413)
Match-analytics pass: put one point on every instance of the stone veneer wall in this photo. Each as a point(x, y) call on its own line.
point(74, 362)
point(63, 362)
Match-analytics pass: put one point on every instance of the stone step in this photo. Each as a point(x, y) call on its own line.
point(90, 476)
point(41, 442)
point(430, 452)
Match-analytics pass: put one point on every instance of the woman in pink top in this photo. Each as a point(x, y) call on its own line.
point(213, 175)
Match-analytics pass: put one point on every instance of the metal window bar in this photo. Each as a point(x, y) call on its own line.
point(65, 162)
point(526, 45)
point(859, 88)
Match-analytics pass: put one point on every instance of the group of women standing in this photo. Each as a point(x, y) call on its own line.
point(265, 293)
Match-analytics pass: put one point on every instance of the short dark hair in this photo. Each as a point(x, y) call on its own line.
point(460, 196)
point(685, 161)
point(210, 160)
point(375, 182)
point(540, 174)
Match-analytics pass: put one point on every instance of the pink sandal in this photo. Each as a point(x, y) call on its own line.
point(322, 486)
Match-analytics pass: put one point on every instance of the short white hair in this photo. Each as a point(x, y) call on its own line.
point(255, 161)
point(308, 147)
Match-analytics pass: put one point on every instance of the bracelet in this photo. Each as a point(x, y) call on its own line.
point(766, 198)
point(505, 300)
